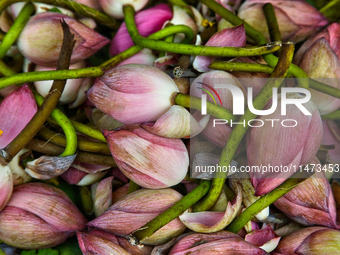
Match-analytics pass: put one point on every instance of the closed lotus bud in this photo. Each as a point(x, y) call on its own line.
point(248, 192)
point(45, 50)
point(311, 202)
point(120, 193)
point(229, 37)
point(134, 210)
point(144, 57)
point(149, 160)
point(74, 92)
point(177, 122)
point(146, 26)
point(133, 93)
point(102, 195)
point(331, 137)
point(220, 133)
point(208, 222)
point(6, 185)
point(115, 7)
point(264, 238)
point(16, 110)
point(297, 19)
point(310, 241)
point(297, 147)
point(181, 17)
point(319, 58)
point(222, 242)
point(39, 216)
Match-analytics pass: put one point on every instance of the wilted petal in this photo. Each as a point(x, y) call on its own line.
point(228, 37)
point(207, 222)
point(47, 167)
point(120, 193)
point(16, 110)
point(6, 185)
point(102, 195)
point(89, 168)
point(265, 238)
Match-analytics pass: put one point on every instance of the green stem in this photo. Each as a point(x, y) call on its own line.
point(186, 49)
point(72, 5)
point(331, 10)
point(239, 131)
point(132, 187)
point(258, 38)
point(5, 70)
point(86, 200)
point(168, 39)
point(168, 31)
point(2, 35)
point(241, 67)
point(172, 213)
point(83, 145)
point(332, 116)
point(84, 129)
point(263, 202)
point(324, 88)
point(15, 30)
point(22, 78)
point(212, 109)
point(82, 156)
point(273, 26)
point(64, 122)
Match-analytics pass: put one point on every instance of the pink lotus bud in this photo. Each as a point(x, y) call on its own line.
point(74, 92)
point(146, 26)
point(181, 17)
point(115, 7)
point(297, 19)
point(296, 147)
point(93, 244)
point(264, 238)
point(83, 174)
point(144, 57)
point(220, 133)
point(133, 93)
point(45, 51)
point(319, 58)
point(6, 185)
point(331, 136)
point(45, 213)
point(177, 122)
point(208, 222)
point(120, 193)
point(16, 110)
point(149, 160)
point(102, 195)
point(310, 241)
point(222, 242)
point(229, 37)
point(136, 209)
point(311, 202)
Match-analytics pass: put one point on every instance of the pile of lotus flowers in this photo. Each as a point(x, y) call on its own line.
point(169, 127)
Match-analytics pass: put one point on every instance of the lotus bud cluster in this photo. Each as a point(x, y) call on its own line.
point(45, 50)
point(134, 210)
point(39, 216)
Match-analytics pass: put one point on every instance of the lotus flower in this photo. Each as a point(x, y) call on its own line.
point(311, 202)
point(229, 37)
point(149, 160)
point(297, 19)
point(310, 241)
point(146, 26)
point(39, 216)
point(45, 50)
point(16, 110)
point(133, 93)
point(296, 147)
point(74, 92)
point(331, 136)
point(319, 58)
point(222, 242)
point(220, 133)
point(136, 209)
